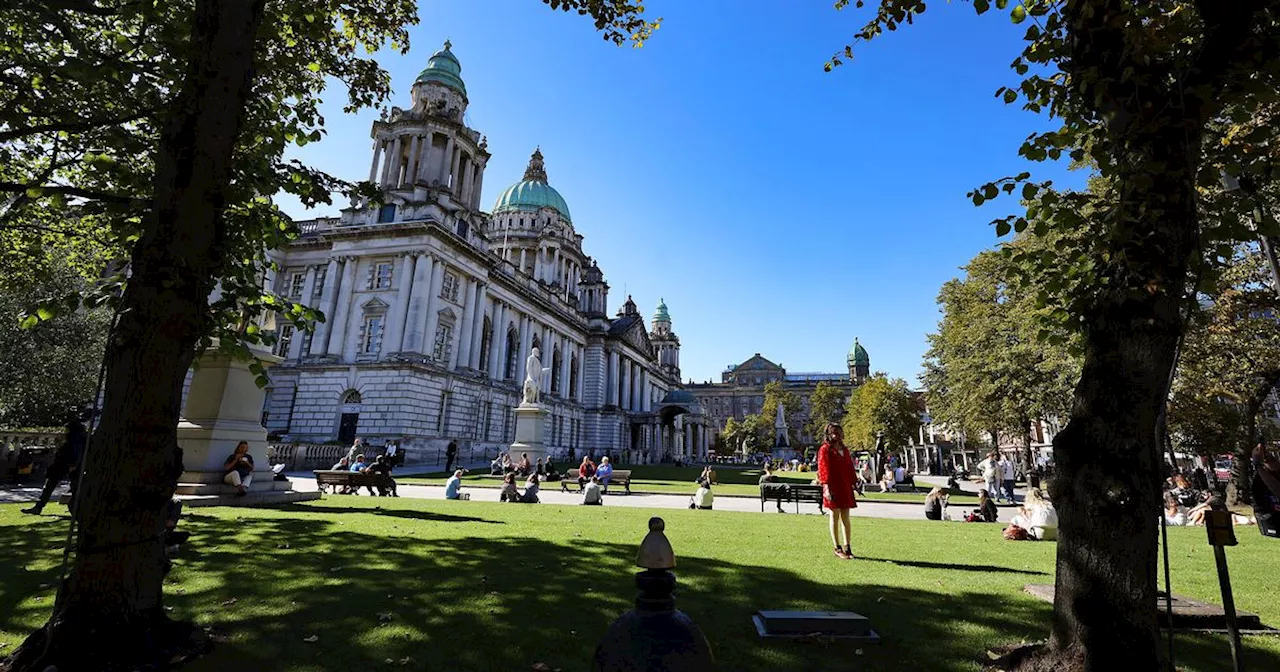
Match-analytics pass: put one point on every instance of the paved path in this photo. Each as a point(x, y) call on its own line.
point(552, 495)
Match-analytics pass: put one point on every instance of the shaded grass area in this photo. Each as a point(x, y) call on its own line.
point(672, 480)
point(482, 586)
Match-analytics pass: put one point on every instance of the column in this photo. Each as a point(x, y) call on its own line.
point(416, 317)
point(395, 327)
point(377, 154)
point(611, 391)
point(455, 174)
point(537, 262)
point(475, 197)
point(320, 339)
point(433, 305)
point(308, 288)
point(526, 343)
point(566, 354)
point(412, 166)
point(477, 332)
point(424, 161)
point(628, 380)
point(498, 341)
point(582, 368)
point(461, 353)
point(446, 160)
point(387, 162)
point(646, 395)
point(338, 332)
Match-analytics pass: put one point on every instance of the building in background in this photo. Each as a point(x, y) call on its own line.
point(433, 305)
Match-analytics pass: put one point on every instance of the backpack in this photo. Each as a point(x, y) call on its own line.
point(1015, 533)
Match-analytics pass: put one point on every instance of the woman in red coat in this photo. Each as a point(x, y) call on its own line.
point(837, 478)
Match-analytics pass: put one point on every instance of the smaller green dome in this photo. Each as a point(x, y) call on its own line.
point(444, 68)
point(858, 355)
point(661, 315)
point(532, 193)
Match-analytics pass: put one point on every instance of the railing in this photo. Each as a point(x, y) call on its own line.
point(305, 456)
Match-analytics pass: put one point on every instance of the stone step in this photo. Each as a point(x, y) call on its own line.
point(224, 489)
point(251, 499)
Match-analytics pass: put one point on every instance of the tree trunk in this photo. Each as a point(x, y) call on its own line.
point(1028, 458)
point(109, 612)
point(1239, 489)
point(1107, 487)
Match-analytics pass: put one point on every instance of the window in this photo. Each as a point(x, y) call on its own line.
point(352, 397)
point(488, 418)
point(555, 372)
point(443, 412)
point(463, 229)
point(296, 281)
point(382, 275)
point(573, 377)
point(283, 340)
point(444, 340)
point(371, 341)
point(513, 354)
point(449, 287)
point(387, 214)
point(486, 342)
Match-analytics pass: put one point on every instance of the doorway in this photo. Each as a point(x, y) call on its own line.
point(347, 428)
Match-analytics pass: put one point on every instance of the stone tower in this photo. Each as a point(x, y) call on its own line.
point(665, 341)
point(859, 363)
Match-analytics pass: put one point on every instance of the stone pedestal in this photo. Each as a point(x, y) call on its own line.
point(223, 408)
point(531, 421)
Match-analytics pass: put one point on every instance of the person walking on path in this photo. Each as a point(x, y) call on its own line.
point(837, 478)
point(450, 454)
point(1007, 476)
point(990, 470)
point(66, 463)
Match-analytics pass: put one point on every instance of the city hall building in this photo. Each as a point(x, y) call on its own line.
point(433, 306)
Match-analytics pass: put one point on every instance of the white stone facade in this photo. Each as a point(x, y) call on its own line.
point(433, 305)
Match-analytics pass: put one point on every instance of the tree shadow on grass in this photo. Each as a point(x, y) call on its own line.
point(378, 511)
point(922, 564)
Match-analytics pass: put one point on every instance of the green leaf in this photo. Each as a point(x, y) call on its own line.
point(1019, 14)
point(990, 191)
point(1010, 95)
point(1002, 228)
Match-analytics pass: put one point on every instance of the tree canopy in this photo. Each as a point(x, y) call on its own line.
point(881, 405)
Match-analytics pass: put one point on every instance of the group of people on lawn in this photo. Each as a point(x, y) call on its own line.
point(355, 462)
point(592, 478)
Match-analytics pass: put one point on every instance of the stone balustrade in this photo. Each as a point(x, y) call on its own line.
point(12, 443)
point(305, 456)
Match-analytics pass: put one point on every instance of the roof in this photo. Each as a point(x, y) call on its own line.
point(532, 193)
point(443, 68)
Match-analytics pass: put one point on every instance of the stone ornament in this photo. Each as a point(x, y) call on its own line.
point(532, 386)
point(655, 551)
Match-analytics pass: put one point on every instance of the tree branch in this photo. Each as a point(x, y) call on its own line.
point(14, 187)
point(1230, 43)
point(6, 136)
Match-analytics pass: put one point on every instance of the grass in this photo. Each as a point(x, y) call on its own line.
point(669, 479)
point(487, 586)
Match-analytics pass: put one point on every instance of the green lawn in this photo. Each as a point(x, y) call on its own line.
point(668, 479)
point(487, 586)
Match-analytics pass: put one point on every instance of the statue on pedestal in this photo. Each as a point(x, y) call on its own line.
point(532, 385)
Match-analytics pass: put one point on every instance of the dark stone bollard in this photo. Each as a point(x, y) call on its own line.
point(655, 636)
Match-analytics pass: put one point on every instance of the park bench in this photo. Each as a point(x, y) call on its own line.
point(330, 478)
point(792, 492)
point(620, 477)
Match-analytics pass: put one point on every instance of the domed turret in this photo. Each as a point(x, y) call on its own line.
point(859, 363)
point(443, 67)
point(532, 193)
point(661, 315)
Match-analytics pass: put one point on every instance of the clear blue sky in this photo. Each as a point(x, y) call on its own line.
point(777, 208)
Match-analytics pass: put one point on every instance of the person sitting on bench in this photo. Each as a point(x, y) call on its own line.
point(586, 471)
point(603, 472)
point(769, 477)
point(382, 467)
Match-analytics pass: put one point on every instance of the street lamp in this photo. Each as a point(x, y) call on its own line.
point(1231, 183)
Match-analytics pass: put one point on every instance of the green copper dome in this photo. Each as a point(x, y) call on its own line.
point(858, 355)
point(660, 315)
point(532, 193)
point(445, 69)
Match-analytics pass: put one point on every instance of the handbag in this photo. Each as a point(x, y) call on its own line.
point(1015, 533)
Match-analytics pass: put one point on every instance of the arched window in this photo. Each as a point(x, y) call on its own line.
point(573, 377)
point(352, 397)
point(555, 372)
point(486, 342)
point(463, 228)
point(513, 353)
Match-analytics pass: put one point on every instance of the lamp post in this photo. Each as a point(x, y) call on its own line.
point(1259, 217)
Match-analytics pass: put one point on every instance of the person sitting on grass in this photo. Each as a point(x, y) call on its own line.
point(591, 492)
point(382, 468)
point(540, 468)
point(702, 498)
point(707, 477)
point(453, 486)
point(239, 469)
point(530, 494)
point(509, 492)
point(603, 472)
point(986, 511)
point(1037, 516)
point(935, 503)
point(551, 473)
point(1173, 514)
point(524, 467)
point(495, 467)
